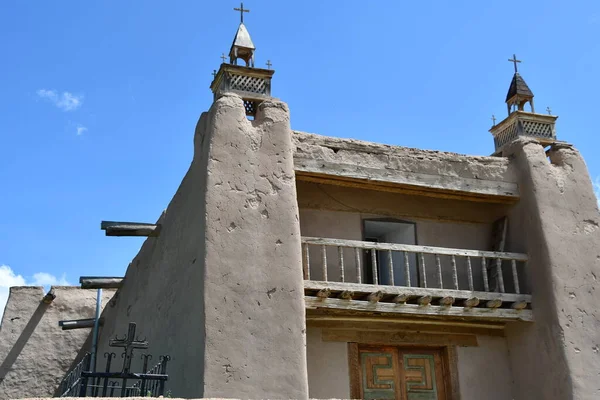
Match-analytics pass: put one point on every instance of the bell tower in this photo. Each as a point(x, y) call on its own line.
point(252, 84)
point(520, 122)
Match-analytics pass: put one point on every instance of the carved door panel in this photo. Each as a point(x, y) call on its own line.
point(386, 372)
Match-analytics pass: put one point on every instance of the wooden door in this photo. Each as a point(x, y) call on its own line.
point(401, 373)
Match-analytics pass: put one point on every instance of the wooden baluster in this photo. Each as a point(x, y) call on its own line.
point(454, 273)
point(486, 285)
point(515, 276)
point(306, 262)
point(499, 273)
point(358, 269)
point(341, 260)
point(439, 270)
point(470, 273)
point(423, 273)
point(391, 267)
point(324, 260)
point(374, 262)
point(406, 269)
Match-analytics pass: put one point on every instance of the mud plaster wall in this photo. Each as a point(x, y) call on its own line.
point(328, 374)
point(558, 356)
point(380, 156)
point(226, 265)
point(35, 353)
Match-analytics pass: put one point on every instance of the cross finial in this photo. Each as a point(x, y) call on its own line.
point(223, 57)
point(494, 119)
point(269, 64)
point(242, 10)
point(514, 61)
point(214, 73)
point(549, 110)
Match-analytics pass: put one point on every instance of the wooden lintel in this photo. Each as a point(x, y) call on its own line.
point(443, 186)
point(379, 324)
point(415, 309)
point(394, 338)
point(112, 228)
point(100, 282)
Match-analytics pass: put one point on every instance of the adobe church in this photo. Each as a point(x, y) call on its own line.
point(295, 265)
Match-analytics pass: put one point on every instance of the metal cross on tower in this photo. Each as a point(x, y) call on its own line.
point(128, 343)
point(214, 73)
point(223, 57)
point(242, 10)
point(493, 119)
point(549, 110)
point(514, 61)
point(269, 64)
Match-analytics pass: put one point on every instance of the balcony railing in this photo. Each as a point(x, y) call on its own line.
point(412, 274)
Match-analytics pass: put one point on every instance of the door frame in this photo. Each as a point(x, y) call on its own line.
point(449, 366)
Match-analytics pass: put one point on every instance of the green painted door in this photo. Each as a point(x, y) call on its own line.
point(386, 372)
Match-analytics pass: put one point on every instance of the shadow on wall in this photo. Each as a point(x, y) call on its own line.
point(13, 354)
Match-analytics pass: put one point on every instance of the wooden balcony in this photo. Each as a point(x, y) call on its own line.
point(416, 280)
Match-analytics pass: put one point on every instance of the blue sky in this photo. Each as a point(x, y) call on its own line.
point(100, 98)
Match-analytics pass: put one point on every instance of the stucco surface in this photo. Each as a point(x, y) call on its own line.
point(328, 374)
point(558, 356)
point(484, 372)
point(380, 156)
point(220, 290)
point(35, 353)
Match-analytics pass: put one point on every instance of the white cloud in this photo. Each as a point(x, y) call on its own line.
point(66, 101)
point(8, 278)
point(81, 130)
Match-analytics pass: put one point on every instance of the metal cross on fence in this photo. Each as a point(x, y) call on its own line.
point(223, 57)
point(242, 10)
point(269, 64)
point(128, 343)
point(514, 61)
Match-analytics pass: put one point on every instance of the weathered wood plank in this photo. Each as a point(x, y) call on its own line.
point(395, 338)
point(413, 248)
point(428, 183)
point(415, 292)
point(100, 282)
point(413, 309)
point(403, 325)
point(113, 228)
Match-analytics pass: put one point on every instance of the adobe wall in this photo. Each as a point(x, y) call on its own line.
point(558, 356)
point(35, 353)
point(483, 371)
point(381, 156)
point(226, 265)
point(349, 225)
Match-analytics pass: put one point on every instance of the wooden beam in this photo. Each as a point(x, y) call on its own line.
point(404, 325)
point(444, 186)
point(79, 323)
point(395, 338)
point(412, 248)
point(416, 292)
point(130, 229)
point(100, 282)
point(414, 309)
